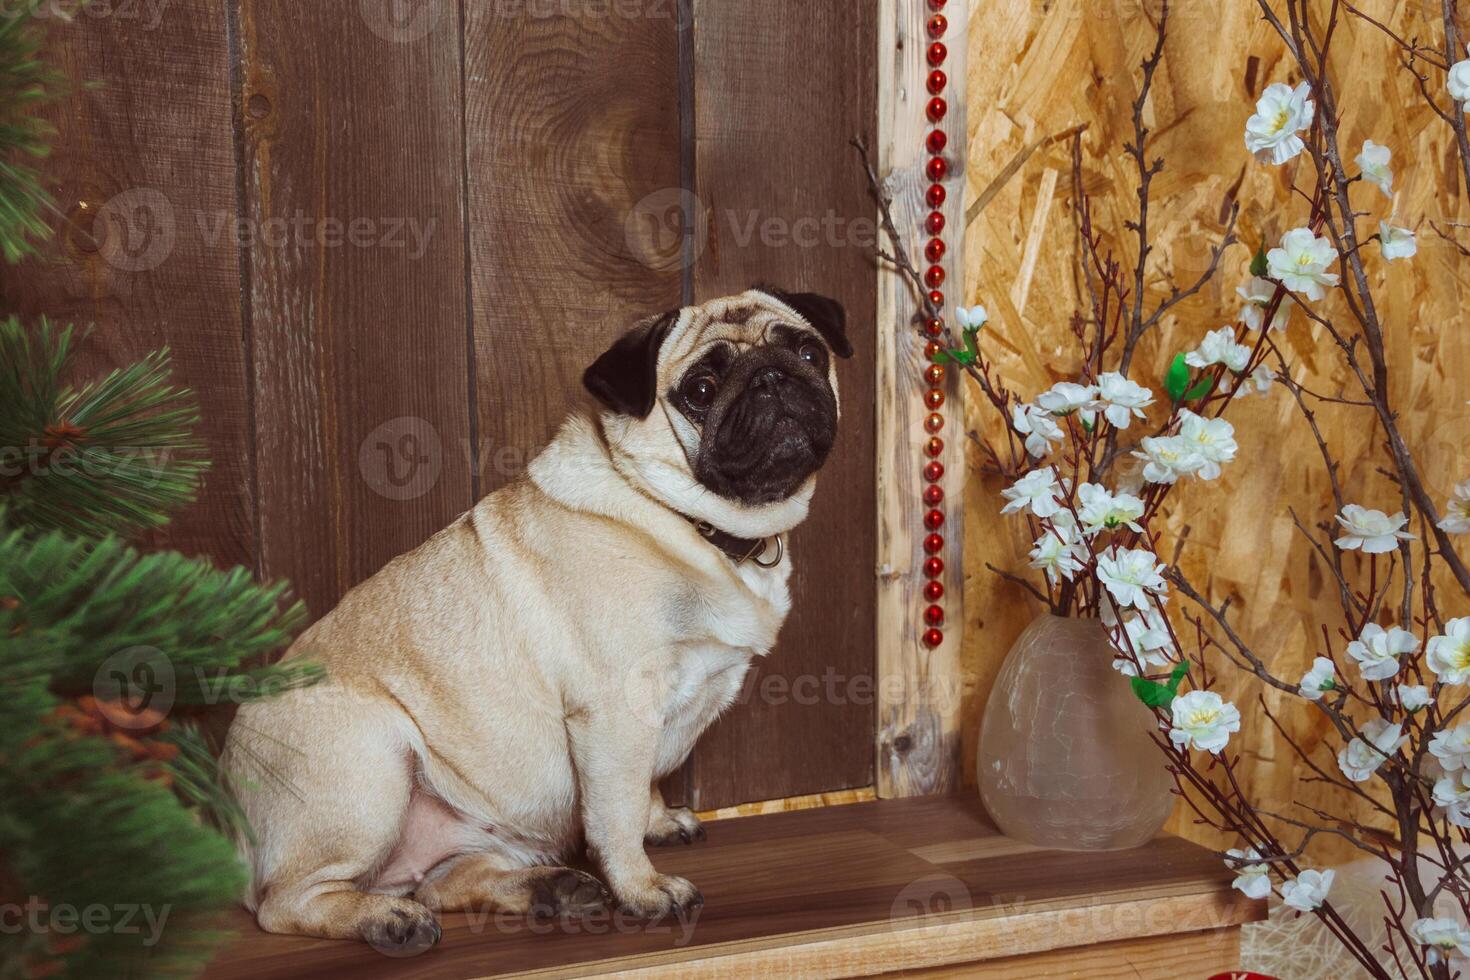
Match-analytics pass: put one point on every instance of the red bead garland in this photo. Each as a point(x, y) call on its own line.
point(936, 168)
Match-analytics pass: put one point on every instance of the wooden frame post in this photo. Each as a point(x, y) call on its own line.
point(919, 689)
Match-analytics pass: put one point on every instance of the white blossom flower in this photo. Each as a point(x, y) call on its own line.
point(1037, 491)
point(1377, 650)
point(1257, 295)
point(971, 319)
point(1458, 81)
point(1120, 399)
point(1307, 891)
point(1100, 510)
point(1449, 653)
point(1300, 262)
point(1440, 937)
point(1058, 552)
point(1281, 113)
point(1039, 428)
point(1203, 720)
point(1260, 380)
point(1371, 530)
point(1212, 439)
point(1395, 242)
point(1219, 347)
point(1456, 519)
point(1412, 697)
point(1319, 680)
point(1147, 634)
point(1452, 794)
point(1167, 458)
point(1362, 758)
point(1452, 747)
point(1373, 161)
point(1251, 877)
point(1066, 397)
point(1131, 575)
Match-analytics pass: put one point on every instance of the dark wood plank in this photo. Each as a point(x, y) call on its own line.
point(573, 137)
point(353, 191)
point(144, 169)
point(573, 141)
point(859, 867)
point(779, 90)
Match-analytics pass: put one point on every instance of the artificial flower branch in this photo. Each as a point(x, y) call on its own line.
point(1404, 758)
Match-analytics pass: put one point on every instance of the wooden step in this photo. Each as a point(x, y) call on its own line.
point(892, 885)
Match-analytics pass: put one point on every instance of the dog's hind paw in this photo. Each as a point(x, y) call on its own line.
point(404, 929)
point(564, 891)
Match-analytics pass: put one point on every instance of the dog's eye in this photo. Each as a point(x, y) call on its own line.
point(700, 392)
point(812, 353)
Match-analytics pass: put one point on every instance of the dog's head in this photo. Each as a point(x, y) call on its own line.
point(734, 400)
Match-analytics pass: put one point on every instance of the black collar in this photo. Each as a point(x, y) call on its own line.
point(740, 550)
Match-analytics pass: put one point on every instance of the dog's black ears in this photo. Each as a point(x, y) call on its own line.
point(625, 378)
point(827, 315)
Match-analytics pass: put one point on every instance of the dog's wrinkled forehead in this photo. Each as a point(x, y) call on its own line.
point(743, 321)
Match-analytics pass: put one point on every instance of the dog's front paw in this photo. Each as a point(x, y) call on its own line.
point(672, 825)
point(659, 896)
point(403, 928)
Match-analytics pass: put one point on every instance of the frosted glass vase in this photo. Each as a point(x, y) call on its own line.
point(1065, 757)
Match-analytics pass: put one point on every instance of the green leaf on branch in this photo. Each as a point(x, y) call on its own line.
point(1157, 695)
point(1259, 266)
point(1201, 388)
point(965, 356)
point(1176, 381)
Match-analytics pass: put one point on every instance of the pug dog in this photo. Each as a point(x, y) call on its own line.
point(511, 692)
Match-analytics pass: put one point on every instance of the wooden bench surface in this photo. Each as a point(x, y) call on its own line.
point(868, 888)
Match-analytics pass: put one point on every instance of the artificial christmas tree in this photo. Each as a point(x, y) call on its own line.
point(115, 851)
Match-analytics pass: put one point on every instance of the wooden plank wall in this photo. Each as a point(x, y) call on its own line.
point(918, 739)
point(384, 239)
point(133, 167)
point(359, 348)
point(780, 88)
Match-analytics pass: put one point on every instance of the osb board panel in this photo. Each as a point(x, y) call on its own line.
point(1039, 68)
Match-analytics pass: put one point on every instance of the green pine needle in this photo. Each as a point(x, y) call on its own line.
point(27, 82)
point(115, 455)
point(80, 824)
